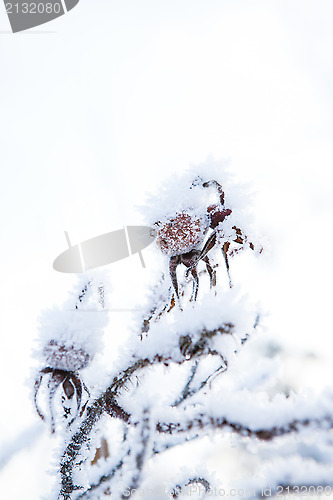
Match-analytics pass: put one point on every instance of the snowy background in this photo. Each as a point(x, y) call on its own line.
point(103, 104)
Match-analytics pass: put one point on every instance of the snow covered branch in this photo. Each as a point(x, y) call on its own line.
point(107, 402)
point(205, 422)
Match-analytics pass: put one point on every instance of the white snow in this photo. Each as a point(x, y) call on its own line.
point(100, 110)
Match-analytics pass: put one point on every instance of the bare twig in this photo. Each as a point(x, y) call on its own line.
point(177, 490)
point(206, 422)
point(141, 450)
point(187, 391)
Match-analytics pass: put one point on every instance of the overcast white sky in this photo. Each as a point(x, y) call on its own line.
point(101, 105)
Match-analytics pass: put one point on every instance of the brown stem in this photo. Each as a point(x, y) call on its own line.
point(204, 422)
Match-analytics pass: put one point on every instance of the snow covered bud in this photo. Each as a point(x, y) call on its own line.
point(61, 355)
point(181, 234)
point(69, 339)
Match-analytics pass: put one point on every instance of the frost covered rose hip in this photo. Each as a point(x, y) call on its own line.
point(69, 340)
point(181, 234)
point(181, 238)
point(61, 356)
point(63, 362)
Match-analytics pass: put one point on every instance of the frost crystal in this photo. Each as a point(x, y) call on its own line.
point(181, 233)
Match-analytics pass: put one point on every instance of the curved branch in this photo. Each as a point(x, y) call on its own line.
point(195, 480)
point(206, 422)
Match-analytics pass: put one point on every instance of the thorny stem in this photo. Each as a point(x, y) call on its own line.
point(195, 480)
point(140, 456)
point(205, 422)
point(107, 403)
point(72, 451)
point(187, 391)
